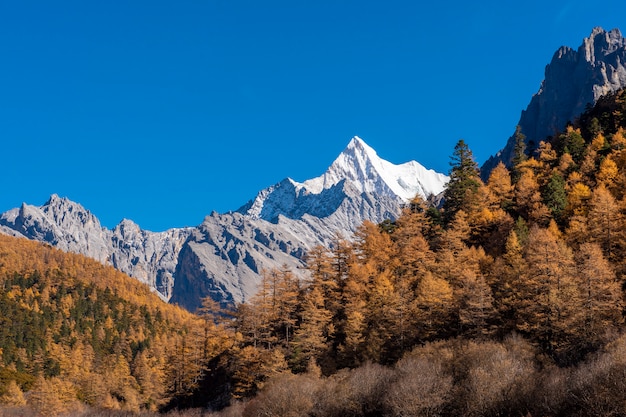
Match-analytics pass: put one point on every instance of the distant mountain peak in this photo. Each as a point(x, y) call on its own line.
point(602, 43)
point(358, 168)
point(360, 164)
point(358, 146)
point(573, 80)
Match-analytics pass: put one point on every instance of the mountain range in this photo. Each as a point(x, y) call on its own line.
point(224, 256)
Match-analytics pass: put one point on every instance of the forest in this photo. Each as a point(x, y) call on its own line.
point(507, 299)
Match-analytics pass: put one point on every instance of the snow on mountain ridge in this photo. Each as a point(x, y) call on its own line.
point(361, 167)
point(360, 164)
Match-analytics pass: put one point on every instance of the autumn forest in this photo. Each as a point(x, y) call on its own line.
point(505, 299)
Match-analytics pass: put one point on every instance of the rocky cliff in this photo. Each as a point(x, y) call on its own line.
point(573, 80)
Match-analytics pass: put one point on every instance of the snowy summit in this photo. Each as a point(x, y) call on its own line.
point(357, 171)
point(361, 165)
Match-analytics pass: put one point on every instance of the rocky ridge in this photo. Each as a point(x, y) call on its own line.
point(223, 257)
point(574, 79)
point(150, 257)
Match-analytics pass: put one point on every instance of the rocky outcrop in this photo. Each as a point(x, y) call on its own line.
point(224, 257)
point(151, 257)
point(574, 79)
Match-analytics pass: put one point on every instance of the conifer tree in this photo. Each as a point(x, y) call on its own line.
point(13, 395)
point(325, 277)
point(434, 308)
point(573, 144)
point(548, 309)
point(354, 326)
point(499, 184)
point(508, 272)
point(453, 255)
point(590, 162)
point(555, 196)
point(384, 328)
point(313, 335)
point(519, 153)
point(604, 221)
point(607, 173)
point(464, 182)
point(477, 314)
point(601, 297)
point(528, 201)
point(411, 249)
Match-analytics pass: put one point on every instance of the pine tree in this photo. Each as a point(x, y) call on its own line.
point(573, 144)
point(519, 153)
point(464, 182)
point(554, 195)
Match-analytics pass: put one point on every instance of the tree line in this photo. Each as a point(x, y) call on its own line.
point(77, 334)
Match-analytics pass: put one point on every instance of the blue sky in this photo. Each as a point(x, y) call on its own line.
point(162, 111)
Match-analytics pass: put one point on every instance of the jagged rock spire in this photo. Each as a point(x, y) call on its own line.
point(573, 80)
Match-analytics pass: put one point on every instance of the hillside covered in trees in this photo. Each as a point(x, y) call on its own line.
point(507, 300)
point(76, 334)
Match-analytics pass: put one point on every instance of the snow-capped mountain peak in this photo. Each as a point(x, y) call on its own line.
point(358, 170)
point(360, 164)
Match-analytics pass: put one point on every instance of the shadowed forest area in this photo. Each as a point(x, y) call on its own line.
point(507, 300)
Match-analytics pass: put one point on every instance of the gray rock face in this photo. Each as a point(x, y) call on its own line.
point(148, 256)
point(224, 256)
point(151, 257)
point(573, 80)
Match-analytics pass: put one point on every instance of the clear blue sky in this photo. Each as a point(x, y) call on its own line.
point(163, 111)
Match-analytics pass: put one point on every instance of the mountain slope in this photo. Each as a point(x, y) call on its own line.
point(574, 79)
point(97, 336)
